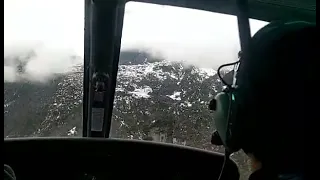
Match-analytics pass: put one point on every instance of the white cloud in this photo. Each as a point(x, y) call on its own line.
point(54, 30)
point(9, 74)
point(197, 37)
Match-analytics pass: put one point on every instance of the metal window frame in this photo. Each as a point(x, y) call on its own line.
point(102, 42)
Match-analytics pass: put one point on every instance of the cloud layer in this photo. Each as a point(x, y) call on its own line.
point(52, 31)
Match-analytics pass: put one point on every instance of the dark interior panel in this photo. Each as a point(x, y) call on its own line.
point(88, 158)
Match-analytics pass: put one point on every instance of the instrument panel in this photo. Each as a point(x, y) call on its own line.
point(97, 158)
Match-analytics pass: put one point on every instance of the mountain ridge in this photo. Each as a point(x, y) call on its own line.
point(140, 75)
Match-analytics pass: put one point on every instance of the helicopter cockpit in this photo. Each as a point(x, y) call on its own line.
point(95, 155)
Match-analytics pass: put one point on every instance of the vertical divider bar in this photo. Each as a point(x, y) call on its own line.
point(244, 33)
point(87, 70)
point(105, 28)
point(243, 23)
point(114, 65)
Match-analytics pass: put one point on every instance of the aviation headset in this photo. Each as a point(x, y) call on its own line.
point(229, 104)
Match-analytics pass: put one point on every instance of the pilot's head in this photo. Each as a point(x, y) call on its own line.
point(276, 90)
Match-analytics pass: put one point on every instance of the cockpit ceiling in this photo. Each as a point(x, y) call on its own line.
point(266, 10)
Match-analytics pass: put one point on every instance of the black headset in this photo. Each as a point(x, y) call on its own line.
point(228, 122)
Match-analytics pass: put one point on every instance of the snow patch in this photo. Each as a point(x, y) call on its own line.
point(72, 131)
point(186, 104)
point(141, 92)
point(189, 104)
point(207, 71)
point(8, 104)
point(175, 96)
point(204, 72)
point(120, 89)
point(122, 123)
point(149, 69)
point(173, 76)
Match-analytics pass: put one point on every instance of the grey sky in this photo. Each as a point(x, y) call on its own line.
point(54, 29)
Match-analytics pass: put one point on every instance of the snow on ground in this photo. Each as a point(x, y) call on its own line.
point(141, 92)
point(175, 96)
point(207, 71)
point(72, 131)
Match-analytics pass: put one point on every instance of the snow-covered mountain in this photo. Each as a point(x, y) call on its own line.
point(145, 86)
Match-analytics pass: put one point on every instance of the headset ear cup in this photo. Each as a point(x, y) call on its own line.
point(221, 116)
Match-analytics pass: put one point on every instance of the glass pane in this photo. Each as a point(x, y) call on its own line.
point(43, 67)
point(167, 74)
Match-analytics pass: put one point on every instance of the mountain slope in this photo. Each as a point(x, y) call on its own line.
point(144, 82)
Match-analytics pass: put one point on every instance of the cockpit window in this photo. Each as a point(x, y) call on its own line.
point(167, 74)
point(43, 67)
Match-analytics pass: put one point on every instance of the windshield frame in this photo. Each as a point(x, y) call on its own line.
point(103, 32)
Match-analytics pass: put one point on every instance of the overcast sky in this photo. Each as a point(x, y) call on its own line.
point(54, 30)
